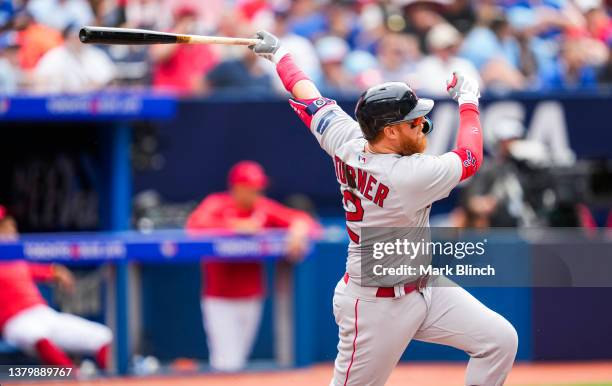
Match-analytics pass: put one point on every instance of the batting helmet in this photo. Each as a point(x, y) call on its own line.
point(389, 103)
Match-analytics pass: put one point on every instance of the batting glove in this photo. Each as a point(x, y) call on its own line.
point(269, 47)
point(463, 89)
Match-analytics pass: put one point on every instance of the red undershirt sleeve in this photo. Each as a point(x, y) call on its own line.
point(469, 140)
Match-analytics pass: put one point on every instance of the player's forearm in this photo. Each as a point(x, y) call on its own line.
point(469, 140)
point(204, 222)
point(41, 272)
point(295, 80)
point(299, 227)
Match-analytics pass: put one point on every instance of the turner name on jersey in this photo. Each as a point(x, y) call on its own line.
point(369, 187)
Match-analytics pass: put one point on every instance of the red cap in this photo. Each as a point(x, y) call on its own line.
point(3, 212)
point(248, 173)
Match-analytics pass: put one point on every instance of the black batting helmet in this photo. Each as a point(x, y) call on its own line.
point(389, 103)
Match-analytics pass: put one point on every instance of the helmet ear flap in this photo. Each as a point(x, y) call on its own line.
point(427, 125)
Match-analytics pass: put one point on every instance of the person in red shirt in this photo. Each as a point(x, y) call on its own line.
point(180, 68)
point(34, 39)
point(232, 292)
point(28, 323)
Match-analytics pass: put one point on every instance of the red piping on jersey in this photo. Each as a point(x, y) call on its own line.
point(289, 72)
point(352, 235)
point(469, 140)
point(354, 345)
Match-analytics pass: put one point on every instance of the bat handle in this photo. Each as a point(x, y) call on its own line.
point(197, 39)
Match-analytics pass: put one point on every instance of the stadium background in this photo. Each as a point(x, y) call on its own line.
point(139, 149)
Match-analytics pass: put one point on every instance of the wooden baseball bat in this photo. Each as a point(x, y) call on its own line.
point(109, 35)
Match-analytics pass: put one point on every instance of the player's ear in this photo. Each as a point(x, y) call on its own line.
point(391, 131)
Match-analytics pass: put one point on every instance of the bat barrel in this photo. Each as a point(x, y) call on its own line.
point(109, 35)
point(106, 35)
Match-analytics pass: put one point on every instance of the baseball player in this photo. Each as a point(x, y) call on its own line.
point(233, 292)
point(27, 322)
point(386, 181)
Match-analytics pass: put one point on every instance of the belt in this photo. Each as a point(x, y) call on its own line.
point(390, 292)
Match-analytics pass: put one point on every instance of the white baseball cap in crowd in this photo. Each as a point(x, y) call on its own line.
point(331, 49)
point(442, 36)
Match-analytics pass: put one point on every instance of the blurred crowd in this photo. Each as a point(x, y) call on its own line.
point(344, 45)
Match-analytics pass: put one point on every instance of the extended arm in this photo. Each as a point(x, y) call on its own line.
point(330, 125)
point(41, 272)
point(424, 178)
point(469, 139)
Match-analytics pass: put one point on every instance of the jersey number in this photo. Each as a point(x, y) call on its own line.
point(356, 215)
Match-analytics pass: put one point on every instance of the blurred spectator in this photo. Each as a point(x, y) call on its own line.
point(342, 21)
point(147, 14)
point(460, 14)
point(442, 42)
point(308, 60)
point(421, 16)
point(233, 23)
point(59, 14)
point(109, 13)
point(528, 53)
point(514, 46)
point(179, 67)
point(490, 47)
point(35, 39)
point(397, 56)
point(232, 292)
point(7, 10)
point(73, 67)
point(132, 63)
point(27, 322)
point(363, 69)
point(245, 75)
point(572, 70)
point(307, 19)
point(605, 76)
point(372, 23)
point(11, 76)
point(598, 24)
point(332, 51)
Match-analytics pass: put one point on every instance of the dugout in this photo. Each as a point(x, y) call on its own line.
point(66, 166)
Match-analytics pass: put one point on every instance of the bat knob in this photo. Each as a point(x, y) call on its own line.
point(84, 34)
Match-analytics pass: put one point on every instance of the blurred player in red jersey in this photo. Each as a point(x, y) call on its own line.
point(27, 322)
point(233, 292)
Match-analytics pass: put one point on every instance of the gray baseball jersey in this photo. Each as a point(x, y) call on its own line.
point(389, 190)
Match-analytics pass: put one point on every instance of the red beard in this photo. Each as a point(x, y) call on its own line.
point(410, 147)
